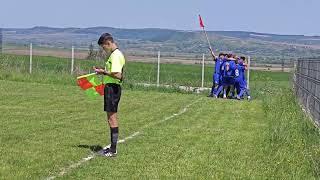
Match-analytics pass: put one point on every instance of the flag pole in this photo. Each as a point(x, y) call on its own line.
point(248, 72)
point(205, 32)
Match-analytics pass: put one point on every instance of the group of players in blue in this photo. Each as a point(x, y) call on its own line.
point(229, 79)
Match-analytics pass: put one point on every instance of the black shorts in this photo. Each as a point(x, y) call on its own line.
point(112, 94)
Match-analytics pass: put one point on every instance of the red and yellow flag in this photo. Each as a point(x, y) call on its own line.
point(92, 84)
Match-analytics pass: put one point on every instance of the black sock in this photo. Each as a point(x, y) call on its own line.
point(114, 138)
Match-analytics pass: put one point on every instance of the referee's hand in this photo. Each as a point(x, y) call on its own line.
point(98, 70)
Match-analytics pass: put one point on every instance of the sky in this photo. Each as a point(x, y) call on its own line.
point(265, 16)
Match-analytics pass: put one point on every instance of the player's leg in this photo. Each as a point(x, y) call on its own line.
point(114, 130)
point(219, 90)
point(112, 98)
point(247, 91)
point(242, 91)
point(216, 82)
point(225, 88)
point(232, 93)
point(228, 87)
point(248, 94)
point(237, 87)
point(228, 90)
point(212, 91)
point(213, 86)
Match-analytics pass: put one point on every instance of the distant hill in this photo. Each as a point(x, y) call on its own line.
point(140, 41)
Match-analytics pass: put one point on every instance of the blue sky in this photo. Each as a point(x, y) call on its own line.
point(268, 16)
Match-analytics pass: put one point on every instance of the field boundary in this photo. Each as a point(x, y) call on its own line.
point(197, 90)
point(306, 81)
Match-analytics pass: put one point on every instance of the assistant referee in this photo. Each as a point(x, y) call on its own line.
point(112, 92)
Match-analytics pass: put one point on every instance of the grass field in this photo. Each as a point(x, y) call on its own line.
point(48, 125)
point(46, 69)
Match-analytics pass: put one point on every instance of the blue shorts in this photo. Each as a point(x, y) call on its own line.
point(227, 81)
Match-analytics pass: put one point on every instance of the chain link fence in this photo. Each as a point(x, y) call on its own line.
point(307, 86)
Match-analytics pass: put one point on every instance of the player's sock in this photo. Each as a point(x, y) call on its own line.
point(212, 90)
point(248, 92)
point(242, 91)
point(114, 138)
point(220, 88)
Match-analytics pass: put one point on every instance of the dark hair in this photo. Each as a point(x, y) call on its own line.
point(229, 55)
point(222, 54)
point(105, 37)
point(243, 58)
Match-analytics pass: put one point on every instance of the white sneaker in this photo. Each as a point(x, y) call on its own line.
point(108, 153)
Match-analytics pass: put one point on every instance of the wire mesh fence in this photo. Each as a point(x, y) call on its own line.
point(307, 86)
point(173, 70)
point(190, 70)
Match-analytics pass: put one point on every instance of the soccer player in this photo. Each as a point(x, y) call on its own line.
point(228, 75)
point(240, 79)
point(112, 92)
point(217, 74)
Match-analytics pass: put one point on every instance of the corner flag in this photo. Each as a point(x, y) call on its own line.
point(201, 22)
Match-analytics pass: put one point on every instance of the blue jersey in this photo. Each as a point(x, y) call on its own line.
point(217, 67)
point(228, 68)
point(239, 73)
point(222, 67)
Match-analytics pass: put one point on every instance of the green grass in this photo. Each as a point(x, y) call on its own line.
point(54, 70)
point(47, 121)
point(189, 75)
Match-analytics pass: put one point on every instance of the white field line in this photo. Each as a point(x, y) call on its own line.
point(184, 88)
point(88, 158)
point(68, 169)
point(173, 115)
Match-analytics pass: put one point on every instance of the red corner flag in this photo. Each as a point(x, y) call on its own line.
point(201, 22)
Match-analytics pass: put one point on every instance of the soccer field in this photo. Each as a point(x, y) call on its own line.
point(48, 129)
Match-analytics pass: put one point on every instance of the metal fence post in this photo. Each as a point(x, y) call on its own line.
point(202, 75)
point(158, 70)
point(72, 59)
point(30, 64)
point(1, 36)
point(248, 72)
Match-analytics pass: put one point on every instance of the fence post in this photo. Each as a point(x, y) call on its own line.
point(30, 64)
point(158, 71)
point(248, 72)
point(72, 59)
point(1, 36)
point(202, 76)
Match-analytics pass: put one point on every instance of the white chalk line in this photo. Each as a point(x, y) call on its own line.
point(173, 115)
point(68, 169)
point(91, 156)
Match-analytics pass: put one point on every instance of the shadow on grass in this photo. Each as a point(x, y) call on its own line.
point(94, 148)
